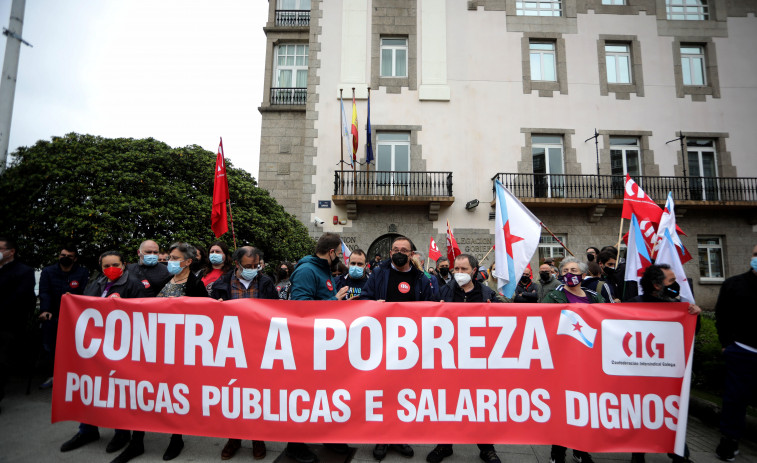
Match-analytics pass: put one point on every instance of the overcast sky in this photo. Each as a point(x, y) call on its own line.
point(181, 71)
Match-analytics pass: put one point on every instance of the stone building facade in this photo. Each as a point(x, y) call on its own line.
point(462, 92)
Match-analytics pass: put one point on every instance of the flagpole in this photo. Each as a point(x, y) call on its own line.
point(487, 254)
point(341, 145)
point(231, 216)
point(354, 156)
point(620, 237)
point(556, 238)
point(367, 143)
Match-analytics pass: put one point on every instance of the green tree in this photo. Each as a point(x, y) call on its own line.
point(102, 194)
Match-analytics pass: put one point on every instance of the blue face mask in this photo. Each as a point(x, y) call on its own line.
point(150, 259)
point(249, 273)
point(754, 263)
point(174, 267)
point(216, 258)
point(356, 272)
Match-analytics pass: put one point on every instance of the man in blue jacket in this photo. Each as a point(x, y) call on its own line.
point(64, 276)
point(312, 281)
point(397, 280)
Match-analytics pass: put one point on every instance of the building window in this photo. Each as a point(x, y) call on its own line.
point(618, 60)
point(711, 258)
point(539, 8)
point(392, 162)
point(625, 158)
point(293, 13)
point(547, 155)
point(543, 61)
point(394, 57)
point(687, 10)
point(703, 169)
point(692, 65)
point(549, 248)
point(613, 2)
point(290, 75)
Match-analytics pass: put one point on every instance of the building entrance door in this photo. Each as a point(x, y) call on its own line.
point(381, 245)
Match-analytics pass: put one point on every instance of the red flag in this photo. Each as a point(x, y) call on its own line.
point(433, 250)
point(354, 129)
point(635, 201)
point(452, 249)
point(218, 222)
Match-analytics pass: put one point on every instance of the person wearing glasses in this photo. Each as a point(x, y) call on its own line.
point(397, 280)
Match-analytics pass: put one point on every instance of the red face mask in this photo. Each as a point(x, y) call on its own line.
point(113, 273)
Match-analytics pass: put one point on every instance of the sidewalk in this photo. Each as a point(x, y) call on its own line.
point(27, 435)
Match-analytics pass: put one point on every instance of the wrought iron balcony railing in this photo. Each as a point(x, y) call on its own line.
point(612, 187)
point(392, 183)
point(292, 18)
point(289, 96)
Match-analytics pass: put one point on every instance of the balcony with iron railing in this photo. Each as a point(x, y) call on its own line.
point(564, 189)
point(292, 18)
point(433, 189)
point(289, 96)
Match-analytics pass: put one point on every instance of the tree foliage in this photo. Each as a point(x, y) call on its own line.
point(102, 194)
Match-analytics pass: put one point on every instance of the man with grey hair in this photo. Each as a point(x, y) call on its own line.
point(244, 281)
point(147, 270)
point(443, 275)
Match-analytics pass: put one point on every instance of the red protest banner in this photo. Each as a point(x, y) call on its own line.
point(600, 377)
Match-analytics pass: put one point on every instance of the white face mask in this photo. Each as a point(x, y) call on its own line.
point(462, 279)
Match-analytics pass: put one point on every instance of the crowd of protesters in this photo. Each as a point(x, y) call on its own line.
point(183, 269)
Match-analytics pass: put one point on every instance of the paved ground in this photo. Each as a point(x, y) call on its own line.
point(27, 435)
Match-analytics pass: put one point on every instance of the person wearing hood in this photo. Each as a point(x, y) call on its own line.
point(356, 276)
point(147, 270)
point(312, 281)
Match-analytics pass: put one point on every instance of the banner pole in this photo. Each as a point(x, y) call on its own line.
point(341, 144)
point(487, 255)
point(556, 238)
point(231, 216)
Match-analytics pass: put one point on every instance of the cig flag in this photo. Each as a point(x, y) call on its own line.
point(453, 250)
point(573, 325)
point(516, 236)
point(433, 250)
point(218, 221)
point(638, 256)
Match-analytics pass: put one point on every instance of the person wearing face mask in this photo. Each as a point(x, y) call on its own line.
point(283, 283)
point(398, 280)
point(356, 276)
point(115, 281)
point(526, 290)
point(659, 285)
point(219, 262)
point(244, 281)
point(591, 254)
point(570, 292)
point(443, 274)
point(147, 270)
point(607, 263)
point(492, 282)
point(547, 280)
point(64, 276)
point(736, 322)
point(312, 281)
point(162, 257)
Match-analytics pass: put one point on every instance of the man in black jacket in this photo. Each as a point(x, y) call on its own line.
point(736, 319)
point(464, 288)
point(147, 270)
point(18, 301)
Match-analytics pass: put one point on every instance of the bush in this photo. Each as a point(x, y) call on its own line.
point(708, 370)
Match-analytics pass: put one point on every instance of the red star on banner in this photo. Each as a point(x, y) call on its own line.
point(510, 239)
point(577, 327)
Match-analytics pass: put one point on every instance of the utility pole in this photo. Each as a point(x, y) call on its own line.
point(8, 78)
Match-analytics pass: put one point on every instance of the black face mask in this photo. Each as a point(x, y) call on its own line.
point(334, 263)
point(525, 280)
point(65, 261)
point(544, 276)
point(443, 271)
point(589, 257)
point(283, 274)
point(399, 259)
point(609, 271)
point(671, 291)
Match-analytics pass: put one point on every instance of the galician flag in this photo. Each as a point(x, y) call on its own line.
point(346, 253)
point(668, 254)
point(638, 256)
point(346, 133)
point(516, 236)
point(668, 222)
point(574, 326)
